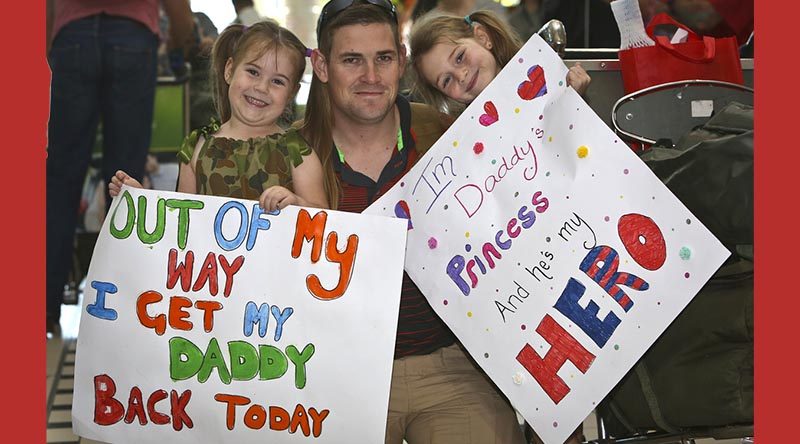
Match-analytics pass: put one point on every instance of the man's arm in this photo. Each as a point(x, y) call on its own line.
point(181, 25)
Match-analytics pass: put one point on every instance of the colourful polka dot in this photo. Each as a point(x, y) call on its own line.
point(550, 139)
point(583, 151)
point(686, 275)
point(688, 221)
point(570, 126)
point(466, 234)
point(560, 83)
point(541, 116)
point(520, 60)
point(547, 238)
point(402, 184)
point(522, 327)
point(685, 253)
point(455, 143)
point(516, 194)
point(516, 110)
point(547, 173)
point(494, 161)
point(486, 355)
point(446, 207)
point(477, 148)
point(444, 302)
point(468, 247)
point(469, 314)
point(432, 243)
point(625, 171)
point(607, 218)
point(555, 423)
point(616, 346)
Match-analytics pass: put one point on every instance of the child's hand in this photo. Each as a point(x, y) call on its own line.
point(277, 197)
point(578, 78)
point(119, 179)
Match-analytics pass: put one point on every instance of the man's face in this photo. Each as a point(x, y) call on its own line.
point(363, 72)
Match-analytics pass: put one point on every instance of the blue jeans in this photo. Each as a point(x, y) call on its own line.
point(103, 67)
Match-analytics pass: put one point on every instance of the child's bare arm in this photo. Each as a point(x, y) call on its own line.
point(309, 184)
point(578, 78)
point(187, 178)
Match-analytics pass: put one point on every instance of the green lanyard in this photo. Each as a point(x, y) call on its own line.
point(399, 145)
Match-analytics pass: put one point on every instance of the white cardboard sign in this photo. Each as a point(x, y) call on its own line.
point(208, 320)
point(548, 247)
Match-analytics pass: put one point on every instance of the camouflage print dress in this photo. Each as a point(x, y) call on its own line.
point(243, 169)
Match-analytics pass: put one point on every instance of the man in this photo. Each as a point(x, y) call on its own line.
point(102, 54)
point(368, 137)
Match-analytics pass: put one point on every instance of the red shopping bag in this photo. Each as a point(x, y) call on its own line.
point(705, 58)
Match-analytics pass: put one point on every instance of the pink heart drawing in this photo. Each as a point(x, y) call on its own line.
point(535, 86)
point(401, 210)
point(490, 116)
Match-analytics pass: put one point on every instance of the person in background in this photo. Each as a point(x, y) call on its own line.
point(368, 137)
point(246, 13)
point(527, 19)
point(464, 7)
point(102, 55)
point(589, 23)
point(201, 102)
point(256, 73)
point(716, 18)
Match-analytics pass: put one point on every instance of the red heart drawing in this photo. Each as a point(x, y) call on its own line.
point(535, 86)
point(402, 211)
point(490, 116)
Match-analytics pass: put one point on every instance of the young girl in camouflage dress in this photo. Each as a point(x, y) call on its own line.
point(255, 74)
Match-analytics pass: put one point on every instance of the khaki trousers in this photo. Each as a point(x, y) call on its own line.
point(444, 398)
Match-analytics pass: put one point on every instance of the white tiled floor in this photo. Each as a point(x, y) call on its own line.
point(59, 420)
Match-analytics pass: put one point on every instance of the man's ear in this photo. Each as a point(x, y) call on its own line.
point(479, 31)
point(403, 56)
point(320, 65)
point(228, 70)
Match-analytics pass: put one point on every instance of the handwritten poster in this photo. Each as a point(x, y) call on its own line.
point(547, 246)
point(206, 319)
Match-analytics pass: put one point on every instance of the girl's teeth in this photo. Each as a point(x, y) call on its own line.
point(255, 101)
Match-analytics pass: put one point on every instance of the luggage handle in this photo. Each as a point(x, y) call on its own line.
point(709, 50)
point(665, 19)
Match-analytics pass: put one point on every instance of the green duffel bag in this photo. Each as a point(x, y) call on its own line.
point(699, 373)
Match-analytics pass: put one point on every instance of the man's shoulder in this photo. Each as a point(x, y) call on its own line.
point(428, 124)
point(424, 115)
